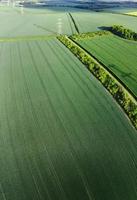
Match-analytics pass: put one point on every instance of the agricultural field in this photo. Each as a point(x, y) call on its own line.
point(52, 21)
point(15, 22)
point(62, 136)
point(119, 55)
point(90, 22)
point(122, 10)
point(132, 13)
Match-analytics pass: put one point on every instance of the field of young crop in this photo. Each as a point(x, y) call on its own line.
point(15, 22)
point(62, 136)
point(118, 54)
point(92, 21)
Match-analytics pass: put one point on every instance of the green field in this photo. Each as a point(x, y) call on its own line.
point(118, 54)
point(34, 22)
point(121, 10)
point(133, 13)
point(62, 136)
point(88, 22)
point(55, 21)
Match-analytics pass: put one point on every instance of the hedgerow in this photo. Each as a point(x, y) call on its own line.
point(123, 32)
point(89, 35)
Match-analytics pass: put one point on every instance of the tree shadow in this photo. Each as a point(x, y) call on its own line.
point(104, 28)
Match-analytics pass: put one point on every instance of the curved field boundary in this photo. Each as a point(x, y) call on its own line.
point(27, 38)
point(125, 98)
point(70, 23)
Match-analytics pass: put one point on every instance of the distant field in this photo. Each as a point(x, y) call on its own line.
point(62, 136)
point(121, 10)
point(118, 55)
point(34, 22)
point(88, 22)
point(132, 13)
point(51, 21)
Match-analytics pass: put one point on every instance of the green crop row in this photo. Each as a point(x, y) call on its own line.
point(122, 96)
point(89, 35)
point(123, 32)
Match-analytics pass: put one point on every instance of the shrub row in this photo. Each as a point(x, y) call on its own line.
point(123, 32)
point(122, 96)
point(89, 35)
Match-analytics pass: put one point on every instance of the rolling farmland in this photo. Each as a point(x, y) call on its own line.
point(53, 21)
point(62, 135)
point(13, 23)
point(90, 22)
point(119, 55)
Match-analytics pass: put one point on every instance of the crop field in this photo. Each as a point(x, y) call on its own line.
point(88, 22)
point(62, 136)
point(132, 13)
point(15, 22)
point(122, 10)
point(118, 54)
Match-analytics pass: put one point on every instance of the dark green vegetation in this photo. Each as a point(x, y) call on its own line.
point(109, 80)
point(123, 32)
point(62, 135)
point(89, 35)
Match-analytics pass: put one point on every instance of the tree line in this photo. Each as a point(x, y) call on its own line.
point(123, 32)
point(89, 35)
